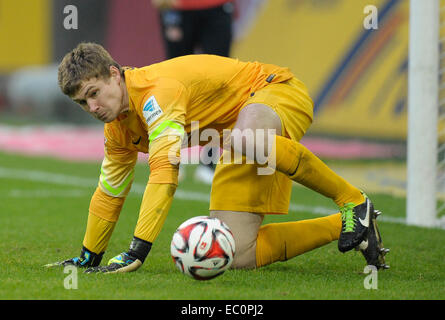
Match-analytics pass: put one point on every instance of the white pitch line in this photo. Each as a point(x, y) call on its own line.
point(46, 193)
point(324, 211)
point(63, 179)
point(43, 176)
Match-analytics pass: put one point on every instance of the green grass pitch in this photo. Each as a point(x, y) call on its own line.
point(44, 208)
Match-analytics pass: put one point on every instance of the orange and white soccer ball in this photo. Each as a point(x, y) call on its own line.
point(203, 247)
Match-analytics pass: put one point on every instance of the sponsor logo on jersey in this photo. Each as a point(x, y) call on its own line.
point(151, 110)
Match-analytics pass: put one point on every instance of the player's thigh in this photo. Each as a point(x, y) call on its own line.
point(244, 187)
point(256, 116)
point(286, 107)
point(244, 227)
point(255, 130)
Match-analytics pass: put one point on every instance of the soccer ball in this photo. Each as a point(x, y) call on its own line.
point(203, 247)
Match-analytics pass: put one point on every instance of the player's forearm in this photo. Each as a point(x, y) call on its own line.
point(158, 195)
point(98, 234)
point(103, 214)
point(156, 203)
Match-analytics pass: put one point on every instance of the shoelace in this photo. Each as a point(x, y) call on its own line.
point(347, 215)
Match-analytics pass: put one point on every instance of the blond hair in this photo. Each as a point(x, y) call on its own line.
point(86, 61)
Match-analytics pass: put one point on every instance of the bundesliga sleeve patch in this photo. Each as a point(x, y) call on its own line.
point(151, 110)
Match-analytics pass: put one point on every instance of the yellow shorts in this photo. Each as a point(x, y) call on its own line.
point(238, 187)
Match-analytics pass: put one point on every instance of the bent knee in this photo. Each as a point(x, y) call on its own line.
point(245, 260)
point(244, 227)
point(254, 129)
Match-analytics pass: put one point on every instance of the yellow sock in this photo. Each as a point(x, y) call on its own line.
point(283, 241)
point(302, 166)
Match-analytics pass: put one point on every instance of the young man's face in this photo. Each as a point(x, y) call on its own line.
point(102, 98)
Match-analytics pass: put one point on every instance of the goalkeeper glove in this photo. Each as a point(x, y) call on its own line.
point(126, 261)
point(85, 260)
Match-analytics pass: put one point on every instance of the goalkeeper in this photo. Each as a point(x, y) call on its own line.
point(153, 109)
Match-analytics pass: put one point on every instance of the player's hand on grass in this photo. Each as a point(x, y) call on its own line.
point(123, 262)
point(128, 261)
point(85, 260)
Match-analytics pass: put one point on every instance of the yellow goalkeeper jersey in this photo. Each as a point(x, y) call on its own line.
point(165, 98)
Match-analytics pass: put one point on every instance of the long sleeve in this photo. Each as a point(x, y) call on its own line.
point(104, 212)
point(161, 186)
point(156, 203)
point(162, 110)
point(116, 178)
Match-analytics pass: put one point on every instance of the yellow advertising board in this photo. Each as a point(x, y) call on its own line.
point(356, 75)
point(25, 37)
